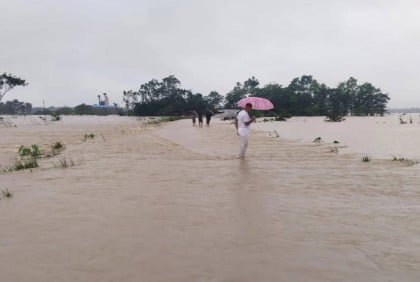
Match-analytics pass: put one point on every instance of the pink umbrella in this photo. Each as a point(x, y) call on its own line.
point(257, 103)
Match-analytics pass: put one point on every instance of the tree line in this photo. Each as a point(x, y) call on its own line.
point(304, 96)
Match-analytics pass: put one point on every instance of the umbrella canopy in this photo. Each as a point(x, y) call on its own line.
point(257, 103)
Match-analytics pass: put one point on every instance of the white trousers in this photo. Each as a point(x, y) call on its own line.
point(243, 134)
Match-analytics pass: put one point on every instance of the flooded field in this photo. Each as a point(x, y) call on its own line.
point(381, 137)
point(171, 202)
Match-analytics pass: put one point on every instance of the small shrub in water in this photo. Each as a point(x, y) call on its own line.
point(32, 151)
point(89, 136)
point(318, 139)
point(6, 194)
point(366, 159)
point(55, 117)
point(400, 159)
point(24, 151)
point(35, 152)
point(57, 145)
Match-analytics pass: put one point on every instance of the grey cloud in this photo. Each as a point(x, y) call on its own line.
point(71, 51)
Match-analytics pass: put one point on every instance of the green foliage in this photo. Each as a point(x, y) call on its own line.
point(83, 109)
point(167, 98)
point(55, 116)
point(303, 96)
point(8, 82)
point(33, 151)
point(15, 107)
point(64, 111)
point(238, 92)
point(214, 100)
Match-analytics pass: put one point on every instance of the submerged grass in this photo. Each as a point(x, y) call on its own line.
point(163, 120)
point(63, 163)
point(22, 164)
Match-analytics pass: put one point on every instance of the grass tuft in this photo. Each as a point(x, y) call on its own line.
point(22, 164)
point(64, 163)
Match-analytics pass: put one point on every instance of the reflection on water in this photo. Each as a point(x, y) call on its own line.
point(382, 137)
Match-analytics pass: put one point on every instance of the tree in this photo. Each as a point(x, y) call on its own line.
point(8, 82)
point(304, 89)
point(234, 96)
point(130, 98)
point(335, 107)
point(64, 111)
point(251, 86)
point(158, 98)
point(214, 100)
point(279, 96)
point(15, 107)
point(83, 109)
point(320, 99)
point(349, 91)
point(370, 100)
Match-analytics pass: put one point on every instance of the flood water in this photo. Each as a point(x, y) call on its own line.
point(379, 137)
point(171, 202)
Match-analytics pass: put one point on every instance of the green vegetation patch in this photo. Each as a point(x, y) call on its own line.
point(32, 151)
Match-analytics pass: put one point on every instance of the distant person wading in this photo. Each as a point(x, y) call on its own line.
point(200, 119)
point(209, 114)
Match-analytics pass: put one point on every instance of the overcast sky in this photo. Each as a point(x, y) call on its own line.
point(71, 51)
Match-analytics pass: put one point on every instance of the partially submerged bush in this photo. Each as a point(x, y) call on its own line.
point(6, 193)
point(57, 147)
point(32, 151)
point(89, 136)
point(55, 116)
point(365, 159)
point(317, 140)
point(404, 160)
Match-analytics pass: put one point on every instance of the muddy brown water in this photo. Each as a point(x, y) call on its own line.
point(173, 203)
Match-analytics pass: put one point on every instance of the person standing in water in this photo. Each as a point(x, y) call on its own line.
point(200, 119)
point(208, 117)
point(194, 117)
point(242, 125)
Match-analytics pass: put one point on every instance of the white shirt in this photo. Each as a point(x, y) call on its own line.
point(243, 117)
